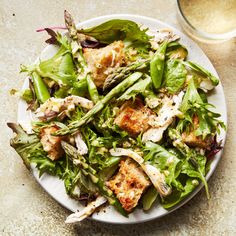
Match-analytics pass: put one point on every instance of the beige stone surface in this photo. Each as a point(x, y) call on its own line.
point(25, 208)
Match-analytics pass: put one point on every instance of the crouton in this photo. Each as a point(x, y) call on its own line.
point(134, 117)
point(196, 141)
point(101, 60)
point(51, 144)
point(129, 184)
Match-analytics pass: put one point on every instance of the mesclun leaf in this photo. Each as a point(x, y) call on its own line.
point(162, 159)
point(59, 68)
point(191, 95)
point(136, 89)
point(175, 50)
point(26, 94)
point(174, 76)
point(178, 196)
point(197, 68)
point(195, 164)
point(149, 198)
point(117, 29)
point(23, 143)
point(193, 105)
point(30, 149)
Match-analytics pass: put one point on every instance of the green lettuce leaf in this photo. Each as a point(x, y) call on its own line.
point(177, 196)
point(30, 149)
point(136, 89)
point(193, 104)
point(174, 75)
point(199, 69)
point(117, 29)
point(175, 50)
point(165, 161)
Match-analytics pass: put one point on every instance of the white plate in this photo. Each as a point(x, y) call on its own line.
point(55, 187)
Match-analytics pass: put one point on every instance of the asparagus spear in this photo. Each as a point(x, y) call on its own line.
point(40, 88)
point(121, 87)
point(120, 73)
point(91, 173)
point(70, 25)
point(179, 144)
point(157, 65)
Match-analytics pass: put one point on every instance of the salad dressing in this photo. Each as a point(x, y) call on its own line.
point(210, 16)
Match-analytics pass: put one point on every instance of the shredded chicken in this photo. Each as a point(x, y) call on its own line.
point(129, 184)
point(80, 144)
point(160, 35)
point(54, 107)
point(166, 115)
point(101, 60)
point(51, 144)
point(87, 211)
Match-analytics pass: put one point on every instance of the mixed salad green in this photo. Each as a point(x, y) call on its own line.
point(121, 116)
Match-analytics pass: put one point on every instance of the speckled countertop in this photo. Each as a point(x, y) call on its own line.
point(25, 209)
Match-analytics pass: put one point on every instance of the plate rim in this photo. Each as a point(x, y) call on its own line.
point(136, 18)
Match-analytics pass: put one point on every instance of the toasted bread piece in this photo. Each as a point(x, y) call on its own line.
point(196, 141)
point(134, 117)
point(51, 144)
point(101, 60)
point(129, 184)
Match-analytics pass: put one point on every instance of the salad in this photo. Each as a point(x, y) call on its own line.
point(121, 116)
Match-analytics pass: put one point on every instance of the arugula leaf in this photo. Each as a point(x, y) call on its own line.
point(191, 95)
point(117, 29)
point(174, 75)
point(196, 169)
point(193, 105)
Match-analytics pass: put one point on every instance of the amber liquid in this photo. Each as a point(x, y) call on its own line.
point(210, 16)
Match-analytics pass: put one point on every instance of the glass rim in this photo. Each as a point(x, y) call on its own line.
point(201, 33)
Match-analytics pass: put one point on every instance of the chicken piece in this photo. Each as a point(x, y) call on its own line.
point(51, 144)
point(101, 60)
point(166, 116)
point(54, 107)
point(129, 184)
point(134, 117)
point(86, 211)
point(195, 141)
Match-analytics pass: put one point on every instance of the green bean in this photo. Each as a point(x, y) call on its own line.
point(93, 92)
point(40, 88)
point(157, 65)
